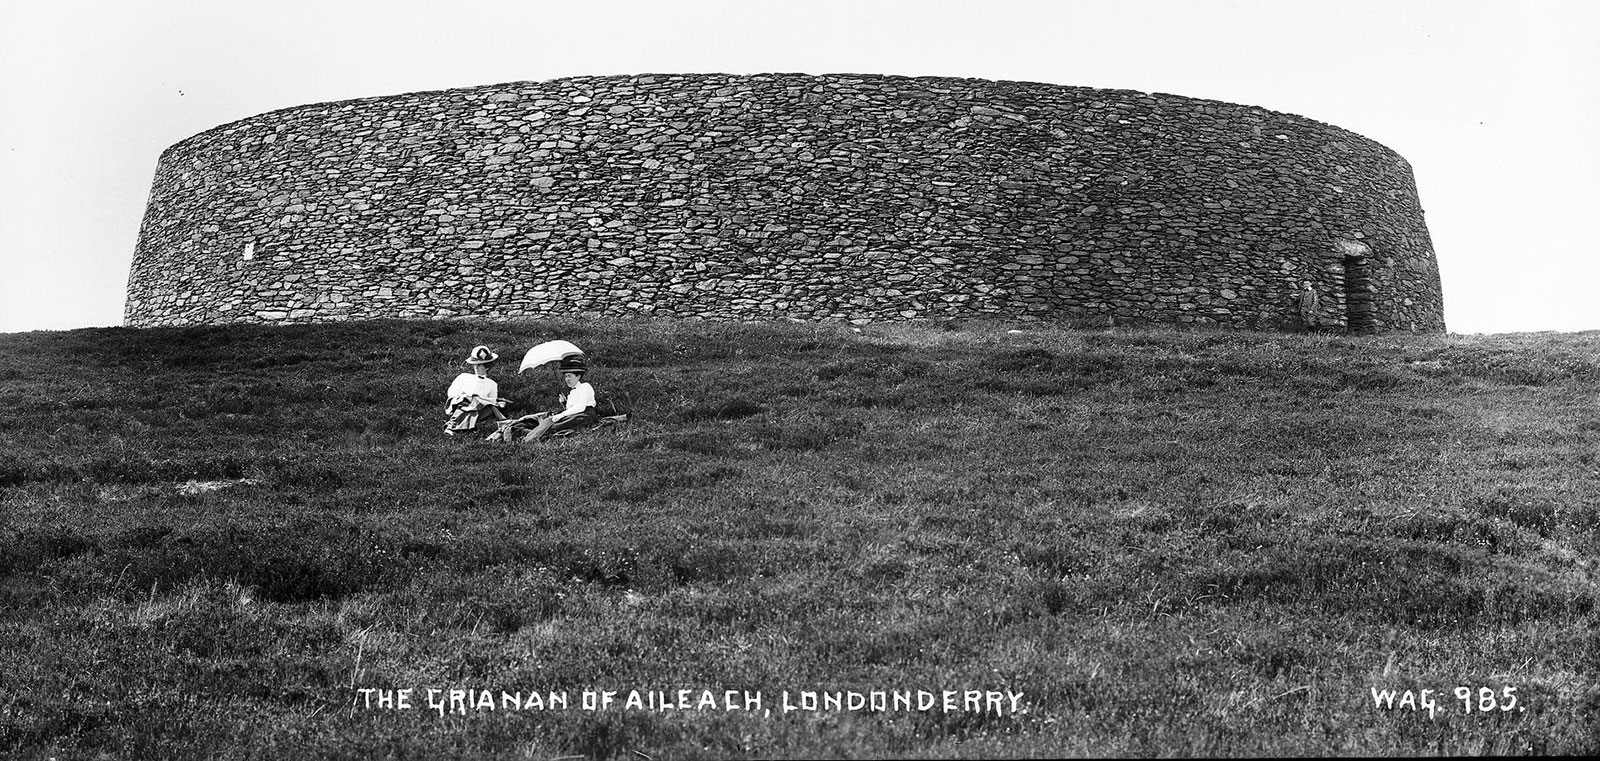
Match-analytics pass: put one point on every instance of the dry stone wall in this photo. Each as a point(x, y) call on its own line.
point(839, 197)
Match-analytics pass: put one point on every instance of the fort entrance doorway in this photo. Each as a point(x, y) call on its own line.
point(1360, 304)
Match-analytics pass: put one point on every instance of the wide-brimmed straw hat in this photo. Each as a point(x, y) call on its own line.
point(481, 356)
point(572, 365)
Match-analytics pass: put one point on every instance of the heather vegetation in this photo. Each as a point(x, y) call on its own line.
point(212, 540)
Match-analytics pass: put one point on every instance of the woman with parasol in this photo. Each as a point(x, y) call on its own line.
point(578, 402)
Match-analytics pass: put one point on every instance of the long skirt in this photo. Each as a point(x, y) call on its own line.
point(531, 428)
point(466, 415)
point(577, 422)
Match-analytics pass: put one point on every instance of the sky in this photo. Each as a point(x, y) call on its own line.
point(1493, 102)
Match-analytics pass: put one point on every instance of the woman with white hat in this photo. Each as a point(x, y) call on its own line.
point(474, 393)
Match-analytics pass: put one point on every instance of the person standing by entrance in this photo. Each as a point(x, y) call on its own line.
point(1310, 305)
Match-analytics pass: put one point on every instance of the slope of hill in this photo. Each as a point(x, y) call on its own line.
point(226, 542)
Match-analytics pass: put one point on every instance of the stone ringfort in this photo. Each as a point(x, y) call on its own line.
point(836, 197)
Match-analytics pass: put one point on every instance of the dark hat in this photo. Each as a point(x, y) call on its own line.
point(572, 365)
point(481, 356)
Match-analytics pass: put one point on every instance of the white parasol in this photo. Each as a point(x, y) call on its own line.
point(547, 352)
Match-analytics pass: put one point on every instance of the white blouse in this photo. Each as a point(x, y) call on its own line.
point(580, 398)
point(467, 385)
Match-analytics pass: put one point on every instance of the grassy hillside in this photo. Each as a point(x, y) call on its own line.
point(1193, 543)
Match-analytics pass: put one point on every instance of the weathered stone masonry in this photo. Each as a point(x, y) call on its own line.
point(784, 195)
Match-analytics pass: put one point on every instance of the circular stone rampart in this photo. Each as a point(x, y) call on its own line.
point(839, 197)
